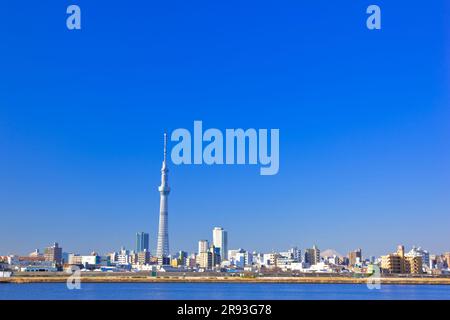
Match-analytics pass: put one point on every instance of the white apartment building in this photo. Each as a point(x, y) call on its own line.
point(220, 240)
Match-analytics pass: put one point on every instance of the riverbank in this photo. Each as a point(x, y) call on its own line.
point(199, 279)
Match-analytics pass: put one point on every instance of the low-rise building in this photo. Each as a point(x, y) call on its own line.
point(423, 254)
point(204, 260)
point(400, 263)
point(144, 257)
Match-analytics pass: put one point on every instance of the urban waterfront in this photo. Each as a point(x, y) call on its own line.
point(216, 256)
point(222, 291)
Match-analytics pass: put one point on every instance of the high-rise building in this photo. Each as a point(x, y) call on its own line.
point(53, 254)
point(142, 242)
point(215, 256)
point(204, 256)
point(354, 257)
point(220, 240)
point(162, 251)
point(203, 246)
point(312, 255)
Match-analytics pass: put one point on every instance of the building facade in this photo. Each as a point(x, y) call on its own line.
point(144, 257)
point(399, 263)
point(142, 242)
point(204, 260)
point(220, 240)
point(53, 254)
point(354, 257)
point(312, 256)
point(216, 258)
point(203, 246)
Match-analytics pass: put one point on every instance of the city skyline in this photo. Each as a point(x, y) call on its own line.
point(206, 244)
point(211, 256)
point(363, 118)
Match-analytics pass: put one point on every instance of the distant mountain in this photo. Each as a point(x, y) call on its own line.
point(330, 253)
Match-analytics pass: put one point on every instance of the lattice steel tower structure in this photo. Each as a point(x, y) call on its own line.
point(162, 251)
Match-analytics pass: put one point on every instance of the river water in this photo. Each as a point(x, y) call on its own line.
point(220, 291)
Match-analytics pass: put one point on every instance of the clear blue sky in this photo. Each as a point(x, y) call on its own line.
point(363, 116)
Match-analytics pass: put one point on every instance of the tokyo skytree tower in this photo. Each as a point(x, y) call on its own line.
point(164, 190)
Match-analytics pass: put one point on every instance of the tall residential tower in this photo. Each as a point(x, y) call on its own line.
point(220, 240)
point(162, 251)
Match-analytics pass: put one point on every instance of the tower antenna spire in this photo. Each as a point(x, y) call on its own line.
point(165, 146)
